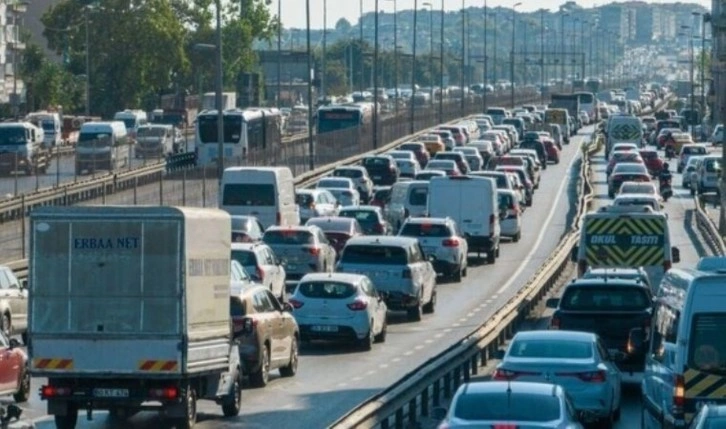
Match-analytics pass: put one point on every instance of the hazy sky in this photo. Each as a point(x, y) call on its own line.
point(293, 11)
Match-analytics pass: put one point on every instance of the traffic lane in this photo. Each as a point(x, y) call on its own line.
point(333, 379)
point(679, 208)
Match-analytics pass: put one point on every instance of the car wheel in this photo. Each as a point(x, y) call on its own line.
point(465, 271)
point(430, 306)
point(381, 337)
point(415, 314)
point(693, 192)
point(456, 275)
point(366, 343)
point(23, 392)
point(233, 402)
point(617, 413)
point(7, 325)
point(517, 236)
point(261, 377)
point(291, 368)
point(24, 337)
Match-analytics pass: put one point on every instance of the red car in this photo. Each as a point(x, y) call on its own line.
point(419, 149)
point(14, 369)
point(553, 152)
point(652, 161)
point(618, 157)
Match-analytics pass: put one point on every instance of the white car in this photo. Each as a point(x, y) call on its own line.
point(584, 118)
point(359, 175)
point(262, 265)
point(440, 238)
point(302, 249)
point(689, 173)
point(650, 200)
point(408, 168)
point(629, 187)
point(336, 182)
point(345, 196)
point(315, 203)
point(511, 222)
point(340, 307)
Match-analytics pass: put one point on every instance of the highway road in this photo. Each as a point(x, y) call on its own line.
point(333, 379)
point(684, 235)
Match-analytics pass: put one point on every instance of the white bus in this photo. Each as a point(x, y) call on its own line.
point(244, 131)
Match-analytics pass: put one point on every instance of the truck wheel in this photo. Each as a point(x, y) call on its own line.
point(291, 368)
point(233, 402)
point(23, 392)
point(69, 420)
point(260, 377)
point(190, 409)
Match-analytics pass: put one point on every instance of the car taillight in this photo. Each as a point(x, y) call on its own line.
point(168, 393)
point(52, 391)
point(504, 426)
point(295, 303)
point(358, 305)
point(503, 374)
point(238, 323)
point(588, 377)
point(679, 396)
point(315, 251)
point(451, 242)
point(555, 323)
point(406, 273)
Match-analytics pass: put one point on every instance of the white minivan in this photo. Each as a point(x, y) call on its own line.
point(265, 192)
point(472, 203)
point(102, 146)
point(407, 199)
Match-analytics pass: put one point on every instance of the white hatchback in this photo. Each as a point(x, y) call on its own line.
point(440, 238)
point(340, 307)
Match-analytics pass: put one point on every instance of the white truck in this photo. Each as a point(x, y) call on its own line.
point(129, 310)
point(229, 101)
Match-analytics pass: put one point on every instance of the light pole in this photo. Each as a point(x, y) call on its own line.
point(542, 54)
point(463, 56)
point(360, 53)
point(279, 52)
point(88, 67)
point(706, 18)
point(395, 51)
point(441, 66)
point(311, 142)
point(375, 79)
point(696, 15)
point(486, 59)
point(413, 68)
point(511, 65)
point(495, 65)
point(218, 95)
point(431, 48)
point(562, 45)
point(323, 92)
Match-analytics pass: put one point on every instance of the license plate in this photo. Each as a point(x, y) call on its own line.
point(111, 393)
point(324, 328)
point(376, 177)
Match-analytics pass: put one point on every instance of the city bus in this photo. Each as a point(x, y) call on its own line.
point(588, 103)
point(345, 116)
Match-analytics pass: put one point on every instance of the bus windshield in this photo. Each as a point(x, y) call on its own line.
point(207, 126)
point(333, 120)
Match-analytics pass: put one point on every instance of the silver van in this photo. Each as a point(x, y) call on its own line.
point(408, 199)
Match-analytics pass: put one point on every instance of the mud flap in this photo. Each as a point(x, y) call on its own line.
point(225, 387)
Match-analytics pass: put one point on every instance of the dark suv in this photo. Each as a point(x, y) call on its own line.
point(382, 169)
point(610, 307)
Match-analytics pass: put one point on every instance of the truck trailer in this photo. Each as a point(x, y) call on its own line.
point(129, 311)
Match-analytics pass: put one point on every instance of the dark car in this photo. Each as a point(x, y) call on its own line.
point(457, 157)
point(338, 230)
point(370, 219)
point(537, 146)
point(422, 155)
point(609, 307)
point(381, 196)
point(382, 169)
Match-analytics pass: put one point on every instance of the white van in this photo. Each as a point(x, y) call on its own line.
point(265, 192)
point(472, 203)
point(685, 348)
point(51, 124)
point(623, 129)
point(407, 199)
point(102, 146)
point(133, 119)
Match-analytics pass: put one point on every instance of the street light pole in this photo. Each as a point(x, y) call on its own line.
point(431, 49)
point(413, 68)
point(463, 56)
point(323, 91)
point(218, 95)
point(486, 59)
point(441, 67)
point(311, 142)
point(88, 69)
point(511, 65)
point(362, 61)
point(375, 79)
point(395, 51)
point(495, 64)
point(279, 52)
point(706, 18)
point(562, 45)
point(542, 54)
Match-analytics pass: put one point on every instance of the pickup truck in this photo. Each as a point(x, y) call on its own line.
point(609, 307)
point(130, 311)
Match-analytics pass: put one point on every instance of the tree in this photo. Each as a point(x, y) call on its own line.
point(343, 26)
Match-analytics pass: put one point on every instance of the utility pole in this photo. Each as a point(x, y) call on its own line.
point(360, 53)
point(375, 80)
point(412, 125)
point(311, 141)
point(218, 96)
point(395, 51)
point(495, 64)
point(279, 52)
point(542, 54)
point(441, 67)
point(511, 65)
point(88, 69)
point(486, 59)
point(323, 91)
point(463, 57)
point(563, 74)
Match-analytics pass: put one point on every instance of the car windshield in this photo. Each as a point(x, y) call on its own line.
point(425, 230)
point(362, 216)
point(550, 349)
point(626, 157)
point(629, 168)
point(637, 188)
point(382, 195)
point(244, 257)
point(12, 136)
point(237, 308)
point(248, 194)
point(326, 290)
point(86, 139)
point(712, 165)
point(333, 183)
point(498, 406)
point(344, 196)
point(288, 237)
point(151, 132)
point(441, 165)
point(375, 255)
point(400, 155)
point(707, 343)
point(411, 147)
point(304, 200)
point(240, 223)
point(649, 154)
point(605, 298)
point(376, 162)
point(348, 172)
point(328, 225)
point(501, 179)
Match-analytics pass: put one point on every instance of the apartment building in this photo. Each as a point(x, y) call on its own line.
point(12, 89)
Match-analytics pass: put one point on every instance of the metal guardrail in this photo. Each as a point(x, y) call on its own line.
point(424, 388)
point(709, 230)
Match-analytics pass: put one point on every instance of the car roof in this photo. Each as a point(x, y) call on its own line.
point(428, 220)
point(382, 240)
point(339, 277)
point(617, 271)
point(362, 208)
point(239, 290)
point(555, 335)
point(246, 246)
point(307, 228)
point(596, 281)
point(515, 386)
point(636, 196)
point(350, 167)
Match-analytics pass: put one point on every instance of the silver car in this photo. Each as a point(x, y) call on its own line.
point(516, 404)
point(577, 361)
point(441, 238)
point(302, 249)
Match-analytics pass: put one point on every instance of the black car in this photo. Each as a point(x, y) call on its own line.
point(382, 169)
point(609, 307)
point(538, 146)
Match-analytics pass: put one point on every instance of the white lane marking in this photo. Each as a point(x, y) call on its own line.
point(542, 232)
point(395, 359)
point(418, 347)
point(439, 335)
point(456, 325)
point(408, 353)
point(429, 341)
point(447, 330)
point(357, 379)
point(371, 372)
point(381, 366)
point(463, 319)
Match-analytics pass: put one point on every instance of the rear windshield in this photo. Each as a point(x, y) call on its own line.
point(605, 298)
point(353, 174)
point(411, 147)
point(376, 162)
point(304, 200)
point(291, 236)
point(333, 183)
point(326, 290)
point(694, 150)
point(498, 406)
point(362, 216)
point(550, 349)
point(248, 194)
point(418, 196)
point(502, 182)
point(378, 255)
point(244, 257)
point(425, 230)
point(237, 307)
point(707, 345)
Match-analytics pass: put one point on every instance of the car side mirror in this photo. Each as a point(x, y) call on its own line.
point(286, 307)
point(574, 253)
point(14, 343)
point(552, 303)
point(675, 254)
point(438, 413)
